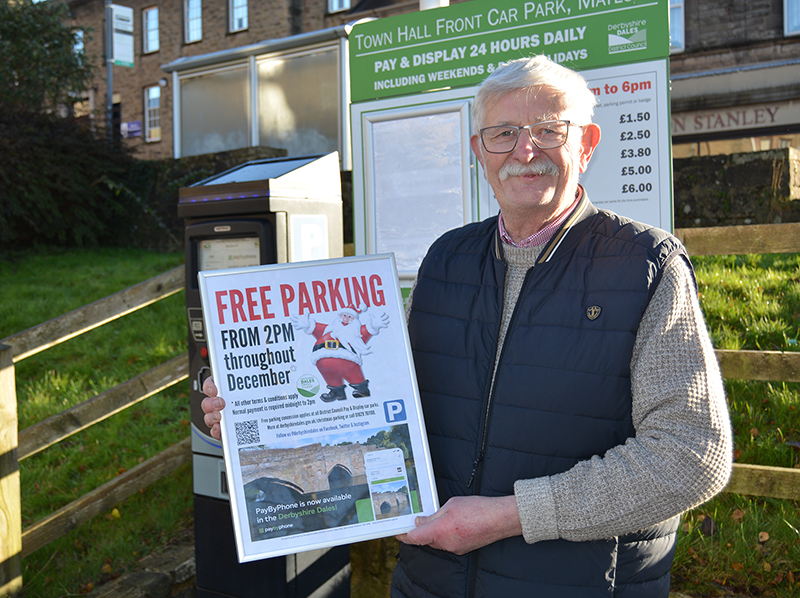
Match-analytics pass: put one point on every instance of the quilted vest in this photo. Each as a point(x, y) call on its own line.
point(562, 394)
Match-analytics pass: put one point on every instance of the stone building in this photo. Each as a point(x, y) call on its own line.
point(735, 72)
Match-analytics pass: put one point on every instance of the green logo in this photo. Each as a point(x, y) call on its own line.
point(627, 36)
point(308, 386)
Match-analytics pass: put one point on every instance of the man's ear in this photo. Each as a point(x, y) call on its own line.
point(475, 142)
point(589, 141)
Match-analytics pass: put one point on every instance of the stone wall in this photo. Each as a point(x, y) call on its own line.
point(308, 467)
point(751, 188)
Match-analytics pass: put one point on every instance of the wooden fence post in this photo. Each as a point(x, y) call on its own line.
point(10, 507)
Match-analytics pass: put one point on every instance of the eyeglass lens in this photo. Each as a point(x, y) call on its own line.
point(546, 135)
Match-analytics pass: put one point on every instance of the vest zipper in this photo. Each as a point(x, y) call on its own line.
point(474, 477)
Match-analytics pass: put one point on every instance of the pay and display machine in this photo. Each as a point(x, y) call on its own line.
point(261, 212)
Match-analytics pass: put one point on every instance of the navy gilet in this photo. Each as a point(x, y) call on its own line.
point(562, 394)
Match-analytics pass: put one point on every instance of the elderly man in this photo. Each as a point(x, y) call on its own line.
point(573, 403)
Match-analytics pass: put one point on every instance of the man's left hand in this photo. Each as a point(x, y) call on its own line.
point(466, 523)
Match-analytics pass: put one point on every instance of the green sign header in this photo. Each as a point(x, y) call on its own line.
point(459, 45)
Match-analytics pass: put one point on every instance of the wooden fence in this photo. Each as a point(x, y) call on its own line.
point(16, 543)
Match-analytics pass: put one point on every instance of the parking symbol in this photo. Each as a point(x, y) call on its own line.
point(395, 411)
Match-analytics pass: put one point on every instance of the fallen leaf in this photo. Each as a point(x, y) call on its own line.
point(763, 537)
point(754, 432)
point(767, 567)
point(737, 567)
point(737, 515)
point(107, 568)
point(687, 527)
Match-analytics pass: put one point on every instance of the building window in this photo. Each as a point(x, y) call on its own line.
point(791, 17)
point(78, 46)
point(150, 29)
point(676, 30)
point(193, 14)
point(238, 11)
point(152, 114)
point(338, 5)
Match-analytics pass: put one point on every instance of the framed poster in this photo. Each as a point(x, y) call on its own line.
point(323, 437)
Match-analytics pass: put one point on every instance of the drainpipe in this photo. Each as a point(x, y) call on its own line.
point(426, 4)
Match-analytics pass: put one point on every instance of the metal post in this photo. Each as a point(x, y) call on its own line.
point(109, 69)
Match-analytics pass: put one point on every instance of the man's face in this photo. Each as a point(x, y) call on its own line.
point(346, 319)
point(549, 194)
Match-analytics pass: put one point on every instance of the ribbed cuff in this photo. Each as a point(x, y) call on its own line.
point(537, 509)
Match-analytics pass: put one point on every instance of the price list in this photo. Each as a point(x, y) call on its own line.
point(630, 172)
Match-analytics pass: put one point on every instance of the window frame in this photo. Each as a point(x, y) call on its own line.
point(795, 4)
point(146, 13)
point(188, 21)
point(147, 115)
point(677, 4)
point(243, 6)
point(335, 6)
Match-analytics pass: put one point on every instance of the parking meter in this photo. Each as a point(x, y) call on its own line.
point(261, 212)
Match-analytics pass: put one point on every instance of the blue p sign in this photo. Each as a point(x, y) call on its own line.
point(395, 410)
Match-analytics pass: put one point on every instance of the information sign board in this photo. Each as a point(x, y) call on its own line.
point(621, 47)
point(460, 45)
point(122, 27)
point(323, 437)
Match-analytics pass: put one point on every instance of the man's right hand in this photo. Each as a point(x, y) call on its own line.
point(212, 406)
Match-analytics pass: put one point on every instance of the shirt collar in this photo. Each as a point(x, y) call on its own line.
point(544, 235)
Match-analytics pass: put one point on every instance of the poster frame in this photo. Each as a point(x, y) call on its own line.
point(416, 482)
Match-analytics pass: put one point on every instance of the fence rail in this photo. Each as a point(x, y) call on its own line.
point(15, 543)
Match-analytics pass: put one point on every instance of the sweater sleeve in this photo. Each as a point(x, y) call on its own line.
point(681, 453)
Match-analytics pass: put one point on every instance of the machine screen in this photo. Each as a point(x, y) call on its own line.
point(217, 254)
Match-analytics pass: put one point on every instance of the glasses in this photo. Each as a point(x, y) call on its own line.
point(548, 134)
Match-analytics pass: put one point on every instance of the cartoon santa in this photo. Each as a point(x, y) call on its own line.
point(340, 347)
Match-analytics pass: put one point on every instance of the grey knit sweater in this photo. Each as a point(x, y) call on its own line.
point(681, 454)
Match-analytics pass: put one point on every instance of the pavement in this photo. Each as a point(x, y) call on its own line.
point(168, 574)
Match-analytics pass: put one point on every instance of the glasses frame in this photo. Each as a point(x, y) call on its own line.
point(528, 128)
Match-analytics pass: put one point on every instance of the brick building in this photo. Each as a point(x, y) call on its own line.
point(735, 71)
point(170, 31)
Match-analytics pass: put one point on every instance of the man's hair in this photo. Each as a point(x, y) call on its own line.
point(537, 73)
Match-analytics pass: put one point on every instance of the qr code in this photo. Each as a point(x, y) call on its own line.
point(247, 432)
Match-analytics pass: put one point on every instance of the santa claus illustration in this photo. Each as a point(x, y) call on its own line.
point(340, 347)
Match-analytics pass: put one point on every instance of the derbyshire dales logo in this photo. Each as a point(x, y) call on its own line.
point(627, 37)
point(308, 385)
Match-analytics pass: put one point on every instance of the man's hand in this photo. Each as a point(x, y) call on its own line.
point(212, 406)
point(466, 523)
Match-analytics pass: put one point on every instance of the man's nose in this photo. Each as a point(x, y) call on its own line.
point(525, 145)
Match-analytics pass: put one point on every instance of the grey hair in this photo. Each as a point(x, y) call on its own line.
point(534, 74)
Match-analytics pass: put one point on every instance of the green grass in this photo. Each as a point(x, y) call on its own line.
point(37, 287)
point(751, 302)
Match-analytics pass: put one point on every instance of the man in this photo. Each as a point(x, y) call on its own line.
point(340, 347)
point(572, 400)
